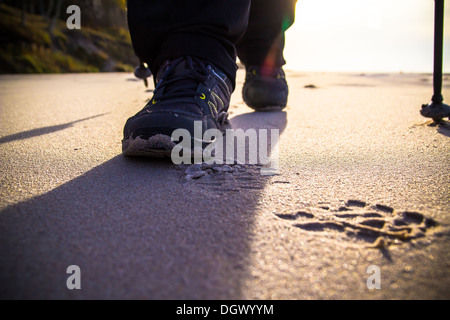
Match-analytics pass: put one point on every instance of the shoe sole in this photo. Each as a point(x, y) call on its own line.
point(158, 146)
point(268, 108)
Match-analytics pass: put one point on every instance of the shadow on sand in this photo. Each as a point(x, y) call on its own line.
point(44, 130)
point(137, 229)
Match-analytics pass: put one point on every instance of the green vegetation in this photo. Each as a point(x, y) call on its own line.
point(32, 42)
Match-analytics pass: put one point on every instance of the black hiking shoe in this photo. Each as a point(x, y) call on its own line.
point(188, 89)
point(265, 89)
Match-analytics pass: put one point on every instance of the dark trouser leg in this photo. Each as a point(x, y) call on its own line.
point(263, 42)
point(167, 29)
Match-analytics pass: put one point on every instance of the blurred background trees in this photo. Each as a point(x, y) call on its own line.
point(34, 37)
point(95, 13)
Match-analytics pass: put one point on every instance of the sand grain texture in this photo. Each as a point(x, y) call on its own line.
point(363, 180)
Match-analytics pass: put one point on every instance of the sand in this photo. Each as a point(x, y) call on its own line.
point(362, 181)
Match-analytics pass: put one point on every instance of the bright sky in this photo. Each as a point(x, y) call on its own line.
point(365, 36)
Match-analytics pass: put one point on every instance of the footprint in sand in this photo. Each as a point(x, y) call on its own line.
point(377, 226)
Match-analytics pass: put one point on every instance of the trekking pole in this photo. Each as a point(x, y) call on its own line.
point(143, 72)
point(436, 109)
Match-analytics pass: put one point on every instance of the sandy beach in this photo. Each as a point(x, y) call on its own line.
point(362, 181)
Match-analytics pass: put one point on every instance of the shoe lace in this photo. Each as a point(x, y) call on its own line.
point(184, 85)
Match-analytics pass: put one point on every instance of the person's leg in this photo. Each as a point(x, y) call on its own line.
point(165, 30)
point(263, 42)
point(190, 48)
point(261, 51)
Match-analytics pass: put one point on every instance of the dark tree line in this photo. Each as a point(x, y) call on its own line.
point(94, 13)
